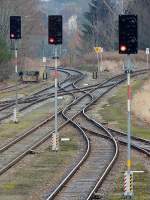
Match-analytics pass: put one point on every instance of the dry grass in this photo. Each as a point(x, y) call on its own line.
point(111, 61)
point(140, 104)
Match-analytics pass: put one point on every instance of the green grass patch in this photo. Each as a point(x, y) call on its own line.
point(30, 119)
point(8, 186)
point(116, 110)
point(25, 122)
point(30, 89)
point(46, 167)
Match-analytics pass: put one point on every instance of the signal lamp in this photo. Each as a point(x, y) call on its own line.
point(55, 29)
point(128, 34)
point(15, 27)
point(51, 40)
point(123, 48)
point(12, 36)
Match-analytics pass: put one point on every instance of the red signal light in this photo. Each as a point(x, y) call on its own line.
point(51, 40)
point(12, 35)
point(123, 48)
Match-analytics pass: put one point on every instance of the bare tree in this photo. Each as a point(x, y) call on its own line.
point(28, 10)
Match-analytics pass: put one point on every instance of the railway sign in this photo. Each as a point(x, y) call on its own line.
point(98, 49)
point(44, 59)
point(147, 51)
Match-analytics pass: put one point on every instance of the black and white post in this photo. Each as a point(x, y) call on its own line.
point(55, 136)
point(147, 57)
point(15, 35)
point(15, 117)
point(55, 38)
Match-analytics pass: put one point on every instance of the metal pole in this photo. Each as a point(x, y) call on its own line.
point(15, 119)
point(129, 122)
point(129, 194)
point(55, 138)
point(147, 60)
point(122, 6)
point(98, 65)
point(101, 63)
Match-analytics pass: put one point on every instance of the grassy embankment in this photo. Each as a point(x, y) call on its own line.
point(116, 110)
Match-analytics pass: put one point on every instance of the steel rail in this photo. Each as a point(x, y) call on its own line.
point(135, 146)
point(27, 106)
point(54, 193)
point(18, 158)
point(44, 139)
point(60, 186)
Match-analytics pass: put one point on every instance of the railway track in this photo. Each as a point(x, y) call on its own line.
point(71, 113)
point(39, 92)
point(73, 187)
point(40, 96)
point(25, 139)
point(76, 187)
point(12, 88)
point(136, 142)
point(15, 150)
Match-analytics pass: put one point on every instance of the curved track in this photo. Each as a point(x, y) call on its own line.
point(42, 95)
point(78, 186)
point(73, 113)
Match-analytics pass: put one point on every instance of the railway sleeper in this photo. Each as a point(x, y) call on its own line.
point(97, 196)
point(33, 152)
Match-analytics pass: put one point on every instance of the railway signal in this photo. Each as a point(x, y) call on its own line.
point(15, 27)
point(128, 44)
point(15, 34)
point(55, 29)
point(128, 34)
point(55, 38)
